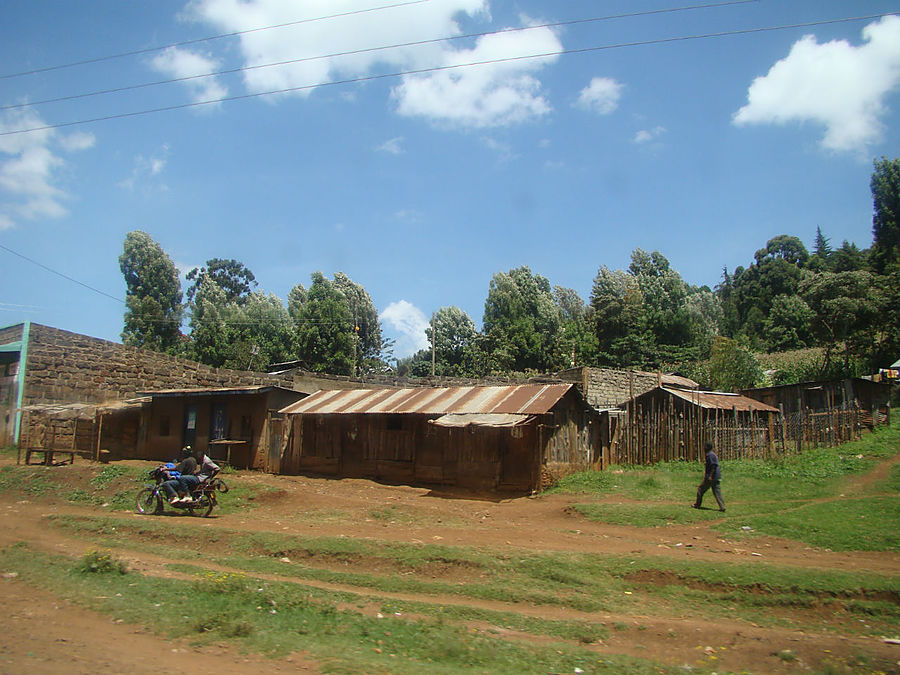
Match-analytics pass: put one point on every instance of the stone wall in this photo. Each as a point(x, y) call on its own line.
point(66, 367)
point(608, 387)
point(10, 334)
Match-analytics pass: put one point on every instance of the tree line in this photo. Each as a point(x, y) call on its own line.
point(842, 301)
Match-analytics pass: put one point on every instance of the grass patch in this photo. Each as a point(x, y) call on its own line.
point(109, 486)
point(277, 618)
point(778, 496)
point(866, 524)
point(586, 582)
point(892, 484)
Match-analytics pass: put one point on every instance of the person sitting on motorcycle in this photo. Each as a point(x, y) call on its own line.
point(204, 469)
point(175, 489)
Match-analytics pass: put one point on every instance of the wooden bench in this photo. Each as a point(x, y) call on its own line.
point(48, 456)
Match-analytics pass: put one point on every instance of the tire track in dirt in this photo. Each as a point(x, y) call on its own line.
point(674, 640)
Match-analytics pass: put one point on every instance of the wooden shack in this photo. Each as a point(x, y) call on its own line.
point(852, 392)
point(518, 437)
point(667, 424)
point(232, 425)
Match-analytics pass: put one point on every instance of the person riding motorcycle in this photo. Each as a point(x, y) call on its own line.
point(204, 469)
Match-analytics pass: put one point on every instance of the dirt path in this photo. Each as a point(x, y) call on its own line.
point(367, 510)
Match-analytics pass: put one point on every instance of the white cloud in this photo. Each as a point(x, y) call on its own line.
point(30, 167)
point(647, 135)
point(479, 96)
point(497, 93)
point(505, 151)
point(146, 168)
point(182, 63)
point(80, 140)
point(393, 146)
point(408, 323)
point(301, 43)
point(835, 84)
point(602, 95)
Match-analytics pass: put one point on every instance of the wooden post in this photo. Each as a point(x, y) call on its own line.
point(99, 436)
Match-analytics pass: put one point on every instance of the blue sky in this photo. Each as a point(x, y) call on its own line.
point(422, 186)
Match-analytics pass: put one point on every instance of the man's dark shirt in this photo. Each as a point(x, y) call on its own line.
point(713, 472)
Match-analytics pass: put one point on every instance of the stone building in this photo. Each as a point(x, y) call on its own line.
point(606, 388)
point(46, 373)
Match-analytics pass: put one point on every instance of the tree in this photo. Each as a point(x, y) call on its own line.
point(732, 366)
point(521, 322)
point(235, 280)
point(848, 258)
point(296, 298)
point(210, 334)
point(261, 333)
point(644, 317)
point(578, 336)
point(325, 335)
point(788, 324)
point(369, 343)
point(845, 306)
point(620, 320)
point(885, 187)
point(153, 311)
point(747, 296)
point(454, 342)
point(822, 245)
point(664, 294)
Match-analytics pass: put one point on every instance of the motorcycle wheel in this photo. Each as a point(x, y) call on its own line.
point(149, 501)
point(203, 508)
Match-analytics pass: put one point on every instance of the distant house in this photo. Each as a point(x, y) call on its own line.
point(516, 437)
point(853, 392)
point(667, 423)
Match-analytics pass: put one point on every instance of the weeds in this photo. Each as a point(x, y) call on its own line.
point(101, 562)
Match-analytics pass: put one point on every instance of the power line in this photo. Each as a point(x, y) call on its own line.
point(148, 50)
point(287, 322)
point(421, 71)
point(355, 52)
point(60, 274)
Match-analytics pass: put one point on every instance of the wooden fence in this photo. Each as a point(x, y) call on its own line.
point(661, 432)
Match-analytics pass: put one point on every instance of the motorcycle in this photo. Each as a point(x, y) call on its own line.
point(152, 499)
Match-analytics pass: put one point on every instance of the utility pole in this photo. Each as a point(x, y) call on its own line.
point(432, 344)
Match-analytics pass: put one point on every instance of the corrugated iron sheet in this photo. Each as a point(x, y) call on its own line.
point(722, 401)
point(526, 399)
point(481, 420)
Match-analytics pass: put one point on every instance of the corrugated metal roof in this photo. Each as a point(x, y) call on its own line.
point(528, 399)
point(720, 400)
point(481, 420)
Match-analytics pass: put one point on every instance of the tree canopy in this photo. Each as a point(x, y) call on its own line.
point(842, 300)
point(153, 311)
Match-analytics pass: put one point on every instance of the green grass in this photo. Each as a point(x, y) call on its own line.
point(112, 487)
point(865, 524)
point(581, 581)
point(892, 484)
point(803, 496)
point(277, 618)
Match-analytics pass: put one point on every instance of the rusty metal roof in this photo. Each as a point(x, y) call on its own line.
point(720, 400)
point(528, 399)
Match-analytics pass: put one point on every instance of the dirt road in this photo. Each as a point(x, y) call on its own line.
point(46, 635)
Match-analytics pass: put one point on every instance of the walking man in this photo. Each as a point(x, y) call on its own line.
point(711, 479)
